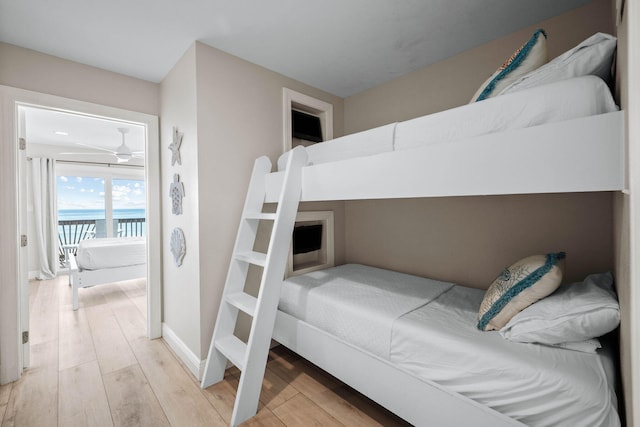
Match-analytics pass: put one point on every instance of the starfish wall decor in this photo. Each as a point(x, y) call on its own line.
point(175, 146)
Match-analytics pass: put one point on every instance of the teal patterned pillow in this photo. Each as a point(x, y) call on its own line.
point(519, 286)
point(525, 59)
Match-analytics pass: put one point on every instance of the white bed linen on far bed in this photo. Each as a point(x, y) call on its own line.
point(438, 341)
point(564, 100)
point(96, 254)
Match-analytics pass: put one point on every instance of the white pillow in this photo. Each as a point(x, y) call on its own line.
point(519, 286)
point(593, 56)
point(575, 312)
point(526, 58)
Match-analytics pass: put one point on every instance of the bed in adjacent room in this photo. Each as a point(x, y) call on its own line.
point(107, 260)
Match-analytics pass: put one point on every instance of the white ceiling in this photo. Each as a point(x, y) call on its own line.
point(340, 46)
point(71, 136)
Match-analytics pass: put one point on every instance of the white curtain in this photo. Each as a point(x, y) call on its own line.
point(45, 238)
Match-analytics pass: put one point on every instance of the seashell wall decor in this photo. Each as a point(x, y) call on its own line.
point(178, 246)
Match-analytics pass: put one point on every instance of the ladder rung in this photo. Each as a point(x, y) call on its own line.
point(252, 257)
point(260, 215)
point(233, 349)
point(243, 301)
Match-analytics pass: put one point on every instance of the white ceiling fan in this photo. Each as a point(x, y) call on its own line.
point(122, 153)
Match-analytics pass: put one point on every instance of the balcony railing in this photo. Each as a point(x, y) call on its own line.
point(72, 231)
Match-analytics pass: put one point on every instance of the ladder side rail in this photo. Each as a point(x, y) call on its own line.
point(249, 387)
point(226, 318)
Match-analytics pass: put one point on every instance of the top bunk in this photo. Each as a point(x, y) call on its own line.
point(553, 137)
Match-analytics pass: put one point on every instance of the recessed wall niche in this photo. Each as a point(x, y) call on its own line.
point(296, 101)
point(312, 245)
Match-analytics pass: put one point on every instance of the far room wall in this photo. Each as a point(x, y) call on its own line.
point(35, 71)
point(470, 240)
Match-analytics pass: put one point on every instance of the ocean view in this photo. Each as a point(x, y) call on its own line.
point(68, 214)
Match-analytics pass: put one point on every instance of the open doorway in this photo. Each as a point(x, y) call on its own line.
point(98, 190)
point(12, 306)
point(94, 197)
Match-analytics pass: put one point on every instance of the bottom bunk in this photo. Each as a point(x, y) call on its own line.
point(412, 345)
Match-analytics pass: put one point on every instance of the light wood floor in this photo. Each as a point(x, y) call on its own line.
point(95, 367)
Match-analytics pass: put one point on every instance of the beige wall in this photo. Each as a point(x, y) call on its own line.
point(231, 113)
point(31, 70)
point(181, 285)
point(469, 240)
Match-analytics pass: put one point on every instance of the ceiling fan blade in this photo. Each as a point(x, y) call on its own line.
point(86, 154)
point(95, 147)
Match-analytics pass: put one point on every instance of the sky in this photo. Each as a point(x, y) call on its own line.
point(78, 192)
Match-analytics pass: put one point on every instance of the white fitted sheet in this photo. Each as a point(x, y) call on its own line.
point(438, 341)
point(96, 254)
point(564, 100)
point(357, 303)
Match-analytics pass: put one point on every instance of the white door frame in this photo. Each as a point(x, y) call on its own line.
point(11, 358)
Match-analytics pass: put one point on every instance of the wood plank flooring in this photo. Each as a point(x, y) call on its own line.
point(95, 367)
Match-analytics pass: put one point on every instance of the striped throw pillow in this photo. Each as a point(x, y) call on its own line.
point(519, 286)
point(525, 59)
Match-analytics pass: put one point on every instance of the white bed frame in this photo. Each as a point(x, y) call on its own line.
point(585, 154)
point(418, 401)
point(87, 278)
point(539, 159)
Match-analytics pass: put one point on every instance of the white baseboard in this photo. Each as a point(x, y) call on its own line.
point(186, 356)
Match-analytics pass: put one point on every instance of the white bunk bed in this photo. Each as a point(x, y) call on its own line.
point(556, 152)
point(561, 134)
point(107, 260)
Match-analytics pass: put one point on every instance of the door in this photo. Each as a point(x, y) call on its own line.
point(23, 238)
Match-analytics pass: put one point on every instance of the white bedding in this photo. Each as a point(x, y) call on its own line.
point(96, 254)
point(357, 303)
point(535, 384)
point(432, 334)
point(555, 102)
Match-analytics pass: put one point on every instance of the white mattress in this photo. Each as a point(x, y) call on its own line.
point(437, 340)
point(555, 102)
point(96, 254)
point(357, 303)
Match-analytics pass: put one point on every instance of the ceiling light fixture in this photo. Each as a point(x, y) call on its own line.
point(59, 132)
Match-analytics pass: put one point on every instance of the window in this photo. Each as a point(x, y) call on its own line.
point(128, 201)
point(80, 197)
point(96, 201)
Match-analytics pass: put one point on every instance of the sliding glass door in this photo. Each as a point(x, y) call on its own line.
point(98, 201)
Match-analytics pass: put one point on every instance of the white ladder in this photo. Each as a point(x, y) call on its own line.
point(251, 358)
